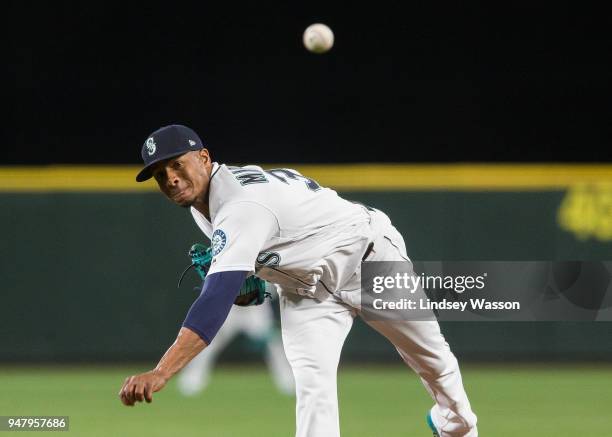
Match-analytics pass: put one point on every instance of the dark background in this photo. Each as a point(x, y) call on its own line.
point(405, 82)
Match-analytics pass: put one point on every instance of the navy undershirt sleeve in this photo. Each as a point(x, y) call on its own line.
point(211, 308)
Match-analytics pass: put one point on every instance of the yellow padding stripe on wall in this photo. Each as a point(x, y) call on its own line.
point(350, 177)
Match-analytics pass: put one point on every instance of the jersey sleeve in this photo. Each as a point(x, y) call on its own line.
point(210, 309)
point(240, 231)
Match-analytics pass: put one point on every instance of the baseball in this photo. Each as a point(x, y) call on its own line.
point(318, 38)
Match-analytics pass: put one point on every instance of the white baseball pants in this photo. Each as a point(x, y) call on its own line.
point(314, 330)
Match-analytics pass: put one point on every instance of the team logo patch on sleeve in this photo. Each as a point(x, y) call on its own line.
point(218, 241)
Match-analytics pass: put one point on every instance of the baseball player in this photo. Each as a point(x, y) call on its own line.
point(288, 230)
point(258, 326)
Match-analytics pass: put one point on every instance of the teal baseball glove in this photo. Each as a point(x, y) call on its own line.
point(253, 291)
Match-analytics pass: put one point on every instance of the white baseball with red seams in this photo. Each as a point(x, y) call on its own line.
point(318, 38)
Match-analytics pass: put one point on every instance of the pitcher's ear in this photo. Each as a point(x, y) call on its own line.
point(204, 155)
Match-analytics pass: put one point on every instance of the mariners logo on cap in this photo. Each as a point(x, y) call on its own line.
point(151, 146)
point(218, 241)
point(192, 143)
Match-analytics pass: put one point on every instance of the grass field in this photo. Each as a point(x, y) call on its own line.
point(511, 400)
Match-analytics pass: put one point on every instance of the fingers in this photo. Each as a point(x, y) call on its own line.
point(137, 389)
point(125, 394)
point(148, 393)
point(125, 400)
point(129, 392)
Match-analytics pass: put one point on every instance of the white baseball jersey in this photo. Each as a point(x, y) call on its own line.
point(290, 231)
point(284, 227)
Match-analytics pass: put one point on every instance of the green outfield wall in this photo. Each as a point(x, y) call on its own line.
point(91, 275)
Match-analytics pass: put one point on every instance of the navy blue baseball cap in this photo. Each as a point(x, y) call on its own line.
point(167, 142)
